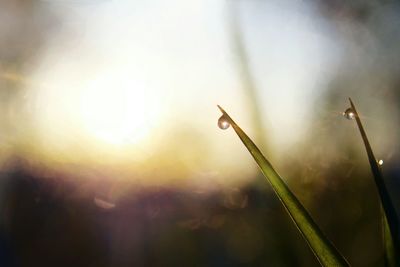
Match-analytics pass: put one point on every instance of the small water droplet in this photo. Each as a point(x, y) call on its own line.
point(380, 162)
point(349, 114)
point(223, 123)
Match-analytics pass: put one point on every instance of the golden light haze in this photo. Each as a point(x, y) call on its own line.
point(133, 83)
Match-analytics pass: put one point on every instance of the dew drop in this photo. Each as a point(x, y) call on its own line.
point(349, 114)
point(223, 123)
point(380, 162)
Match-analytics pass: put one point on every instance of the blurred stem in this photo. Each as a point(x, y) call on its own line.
point(390, 220)
point(247, 79)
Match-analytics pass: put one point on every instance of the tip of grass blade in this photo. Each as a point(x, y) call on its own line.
point(221, 109)
point(351, 103)
point(225, 114)
point(392, 226)
point(321, 246)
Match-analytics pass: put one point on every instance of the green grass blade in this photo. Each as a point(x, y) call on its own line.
point(322, 248)
point(390, 222)
point(391, 257)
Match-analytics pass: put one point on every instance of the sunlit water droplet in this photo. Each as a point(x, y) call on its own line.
point(349, 114)
point(223, 123)
point(380, 162)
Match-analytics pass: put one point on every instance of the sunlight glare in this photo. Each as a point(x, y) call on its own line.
point(118, 110)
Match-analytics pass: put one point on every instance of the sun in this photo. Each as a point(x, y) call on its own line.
point(117, 110)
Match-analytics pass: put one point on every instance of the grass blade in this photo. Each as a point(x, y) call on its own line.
point(322, 248)
point(390, 222)
point(391, 256)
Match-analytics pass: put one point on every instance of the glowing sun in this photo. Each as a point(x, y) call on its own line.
point(118, 110)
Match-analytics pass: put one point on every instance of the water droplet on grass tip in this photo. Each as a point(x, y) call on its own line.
point(223, 123)
point(380, 162)
point(349, 114)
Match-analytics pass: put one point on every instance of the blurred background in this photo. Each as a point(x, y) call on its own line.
point(110, 153)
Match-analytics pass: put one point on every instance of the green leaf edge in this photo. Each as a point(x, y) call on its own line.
point(321, 246)
point(390, 224)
